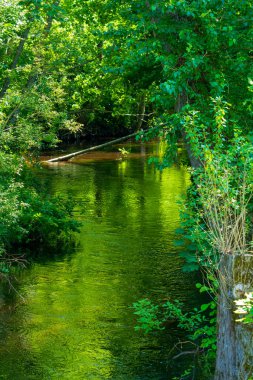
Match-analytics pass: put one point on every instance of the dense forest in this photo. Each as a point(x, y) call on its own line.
point(177, 70)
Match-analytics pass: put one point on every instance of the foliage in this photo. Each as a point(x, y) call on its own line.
point(84, 64)
point(225, 207)
point(61, 84)
point(72, 68)
point(215, 216)
point(200, 324)
point(147, 313)
point(201, 91)
point(123, 152)
point(200, 56)
point(27, 213)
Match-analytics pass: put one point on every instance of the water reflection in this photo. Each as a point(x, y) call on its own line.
point(76, 321)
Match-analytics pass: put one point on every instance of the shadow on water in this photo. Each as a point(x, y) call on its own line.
point(73, 318)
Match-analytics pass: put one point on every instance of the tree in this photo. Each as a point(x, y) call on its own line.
point(200, 54)
point(31, 114)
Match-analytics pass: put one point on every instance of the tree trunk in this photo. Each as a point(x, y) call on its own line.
point(194, 161)
point(71, 155)
point(50, 20)
point(33, 74)
point(21, 45)
point(234, 359)
point(141, 110)
point(19, 51)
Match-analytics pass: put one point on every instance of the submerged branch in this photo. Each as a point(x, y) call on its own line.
point(71, 155)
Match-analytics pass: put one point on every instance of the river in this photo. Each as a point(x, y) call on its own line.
point(71, 315)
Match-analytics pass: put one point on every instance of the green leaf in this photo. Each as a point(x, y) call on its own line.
point(204, 307)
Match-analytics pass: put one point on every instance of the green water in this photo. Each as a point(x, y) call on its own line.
point(72, 318)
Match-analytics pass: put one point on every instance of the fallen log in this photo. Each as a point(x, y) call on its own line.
point(71, 155)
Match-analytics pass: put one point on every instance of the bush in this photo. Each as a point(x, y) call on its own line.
point(27, 213)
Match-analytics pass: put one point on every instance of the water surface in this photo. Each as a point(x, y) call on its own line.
point(73, 318)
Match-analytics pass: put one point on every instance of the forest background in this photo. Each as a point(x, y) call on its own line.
point(180, 70)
